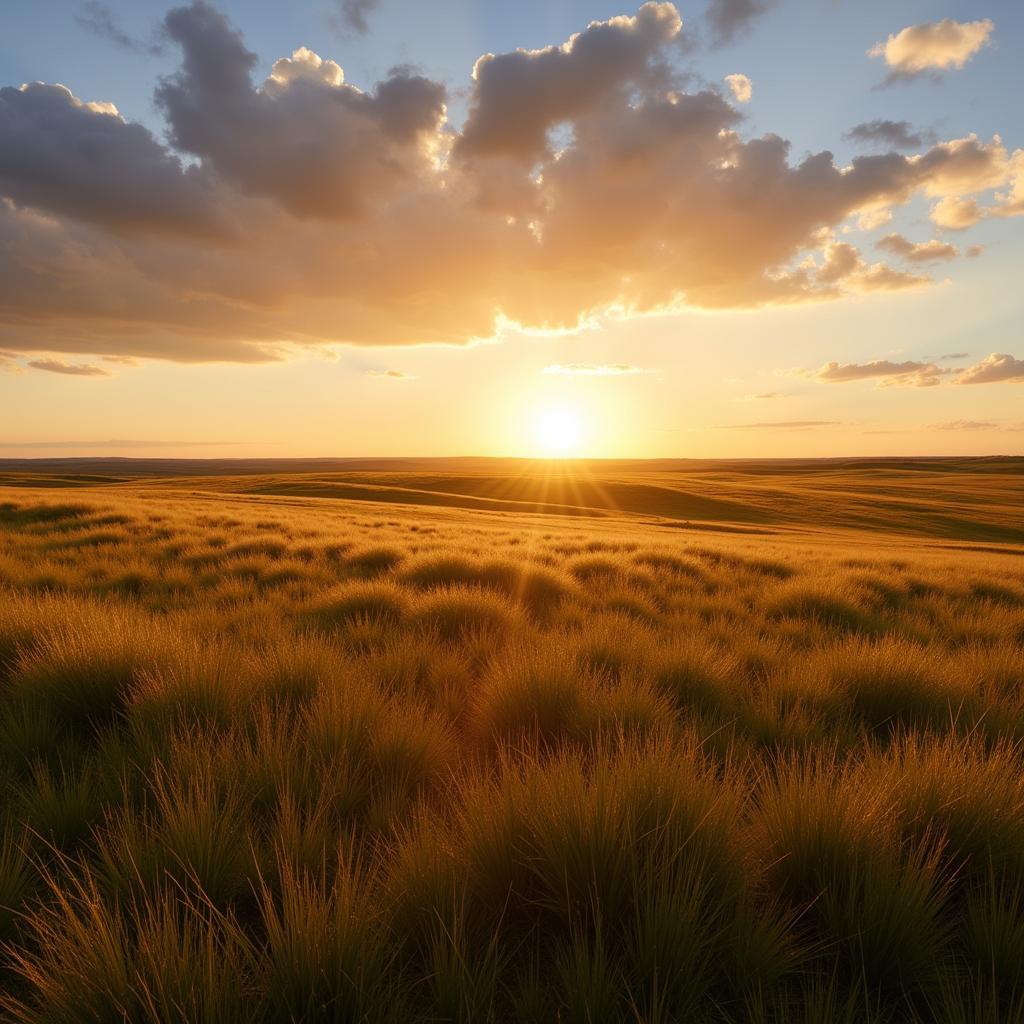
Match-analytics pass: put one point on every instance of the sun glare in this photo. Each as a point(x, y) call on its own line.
point(558, 431)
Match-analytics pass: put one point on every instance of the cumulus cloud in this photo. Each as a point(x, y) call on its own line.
point(897, 134)
point(729, 19)
point(933, 46)
point(390, 374)
point(304, 137)
point(783, 425)
point(301, 210)
point(594, 369)
point(917, 252)
point(70, 369)
point(83, 160)
point(518, 97)
point(844, 266)
point(993, 369)
point(955, 213)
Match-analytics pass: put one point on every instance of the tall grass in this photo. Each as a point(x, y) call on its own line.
point(293, 762)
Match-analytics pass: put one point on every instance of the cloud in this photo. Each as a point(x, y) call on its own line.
point(729, 19)
point(390, 374)
point(964, 425)
point(98, 18)
point(518, 97)
point(319, 147)
point(586, 181)
point(917, 252)
point(993, 369)
point(741, 87)
point(84, 161)
point(956, 355)
point(71, 369)
point(594, 369)
point(844, 266)
point(121, 444)
point(355, 14)
point(932, 46)
point(897, 134)
point(906, 374)
point(783, 425)
point(955, 213)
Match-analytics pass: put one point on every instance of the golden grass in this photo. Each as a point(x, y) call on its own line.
point(275, 758)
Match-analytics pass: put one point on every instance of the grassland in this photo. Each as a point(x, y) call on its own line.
point(512, 742)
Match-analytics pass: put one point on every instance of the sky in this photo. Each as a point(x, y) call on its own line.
point(728, 228)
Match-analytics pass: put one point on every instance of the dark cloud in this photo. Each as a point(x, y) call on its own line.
point(355, 14)
point(896, 134)
point(319, 147)
point(956, 355)
point(729, 19)
point(70, 369)
point(518, 97)
point(390, 374)
point(99, 19)
point(83, 160)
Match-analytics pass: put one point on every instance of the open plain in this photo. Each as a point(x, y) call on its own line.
point(495, 740)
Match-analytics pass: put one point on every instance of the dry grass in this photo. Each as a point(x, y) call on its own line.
point(271, 759)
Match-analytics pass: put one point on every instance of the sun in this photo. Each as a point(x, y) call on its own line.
point(558, 431)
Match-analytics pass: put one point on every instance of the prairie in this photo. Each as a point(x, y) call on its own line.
point(481, 740)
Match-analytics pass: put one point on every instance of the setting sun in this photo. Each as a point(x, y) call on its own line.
point(558, 431)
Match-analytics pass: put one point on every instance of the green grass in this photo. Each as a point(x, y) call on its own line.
point(293, 759)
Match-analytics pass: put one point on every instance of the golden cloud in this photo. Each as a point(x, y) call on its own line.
point(933, 46)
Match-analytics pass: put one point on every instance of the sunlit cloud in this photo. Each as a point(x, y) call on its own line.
point(594, 369)
point(741, 87)
point(783, 425)
point(70, 369)
point(390, 374)
point(964, 425)
point(996, 368)
point(993, 369)
point(917, 252)
point(933, 46)
point(239, 239)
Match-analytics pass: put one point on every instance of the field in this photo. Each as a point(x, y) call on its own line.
point(487, 741)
